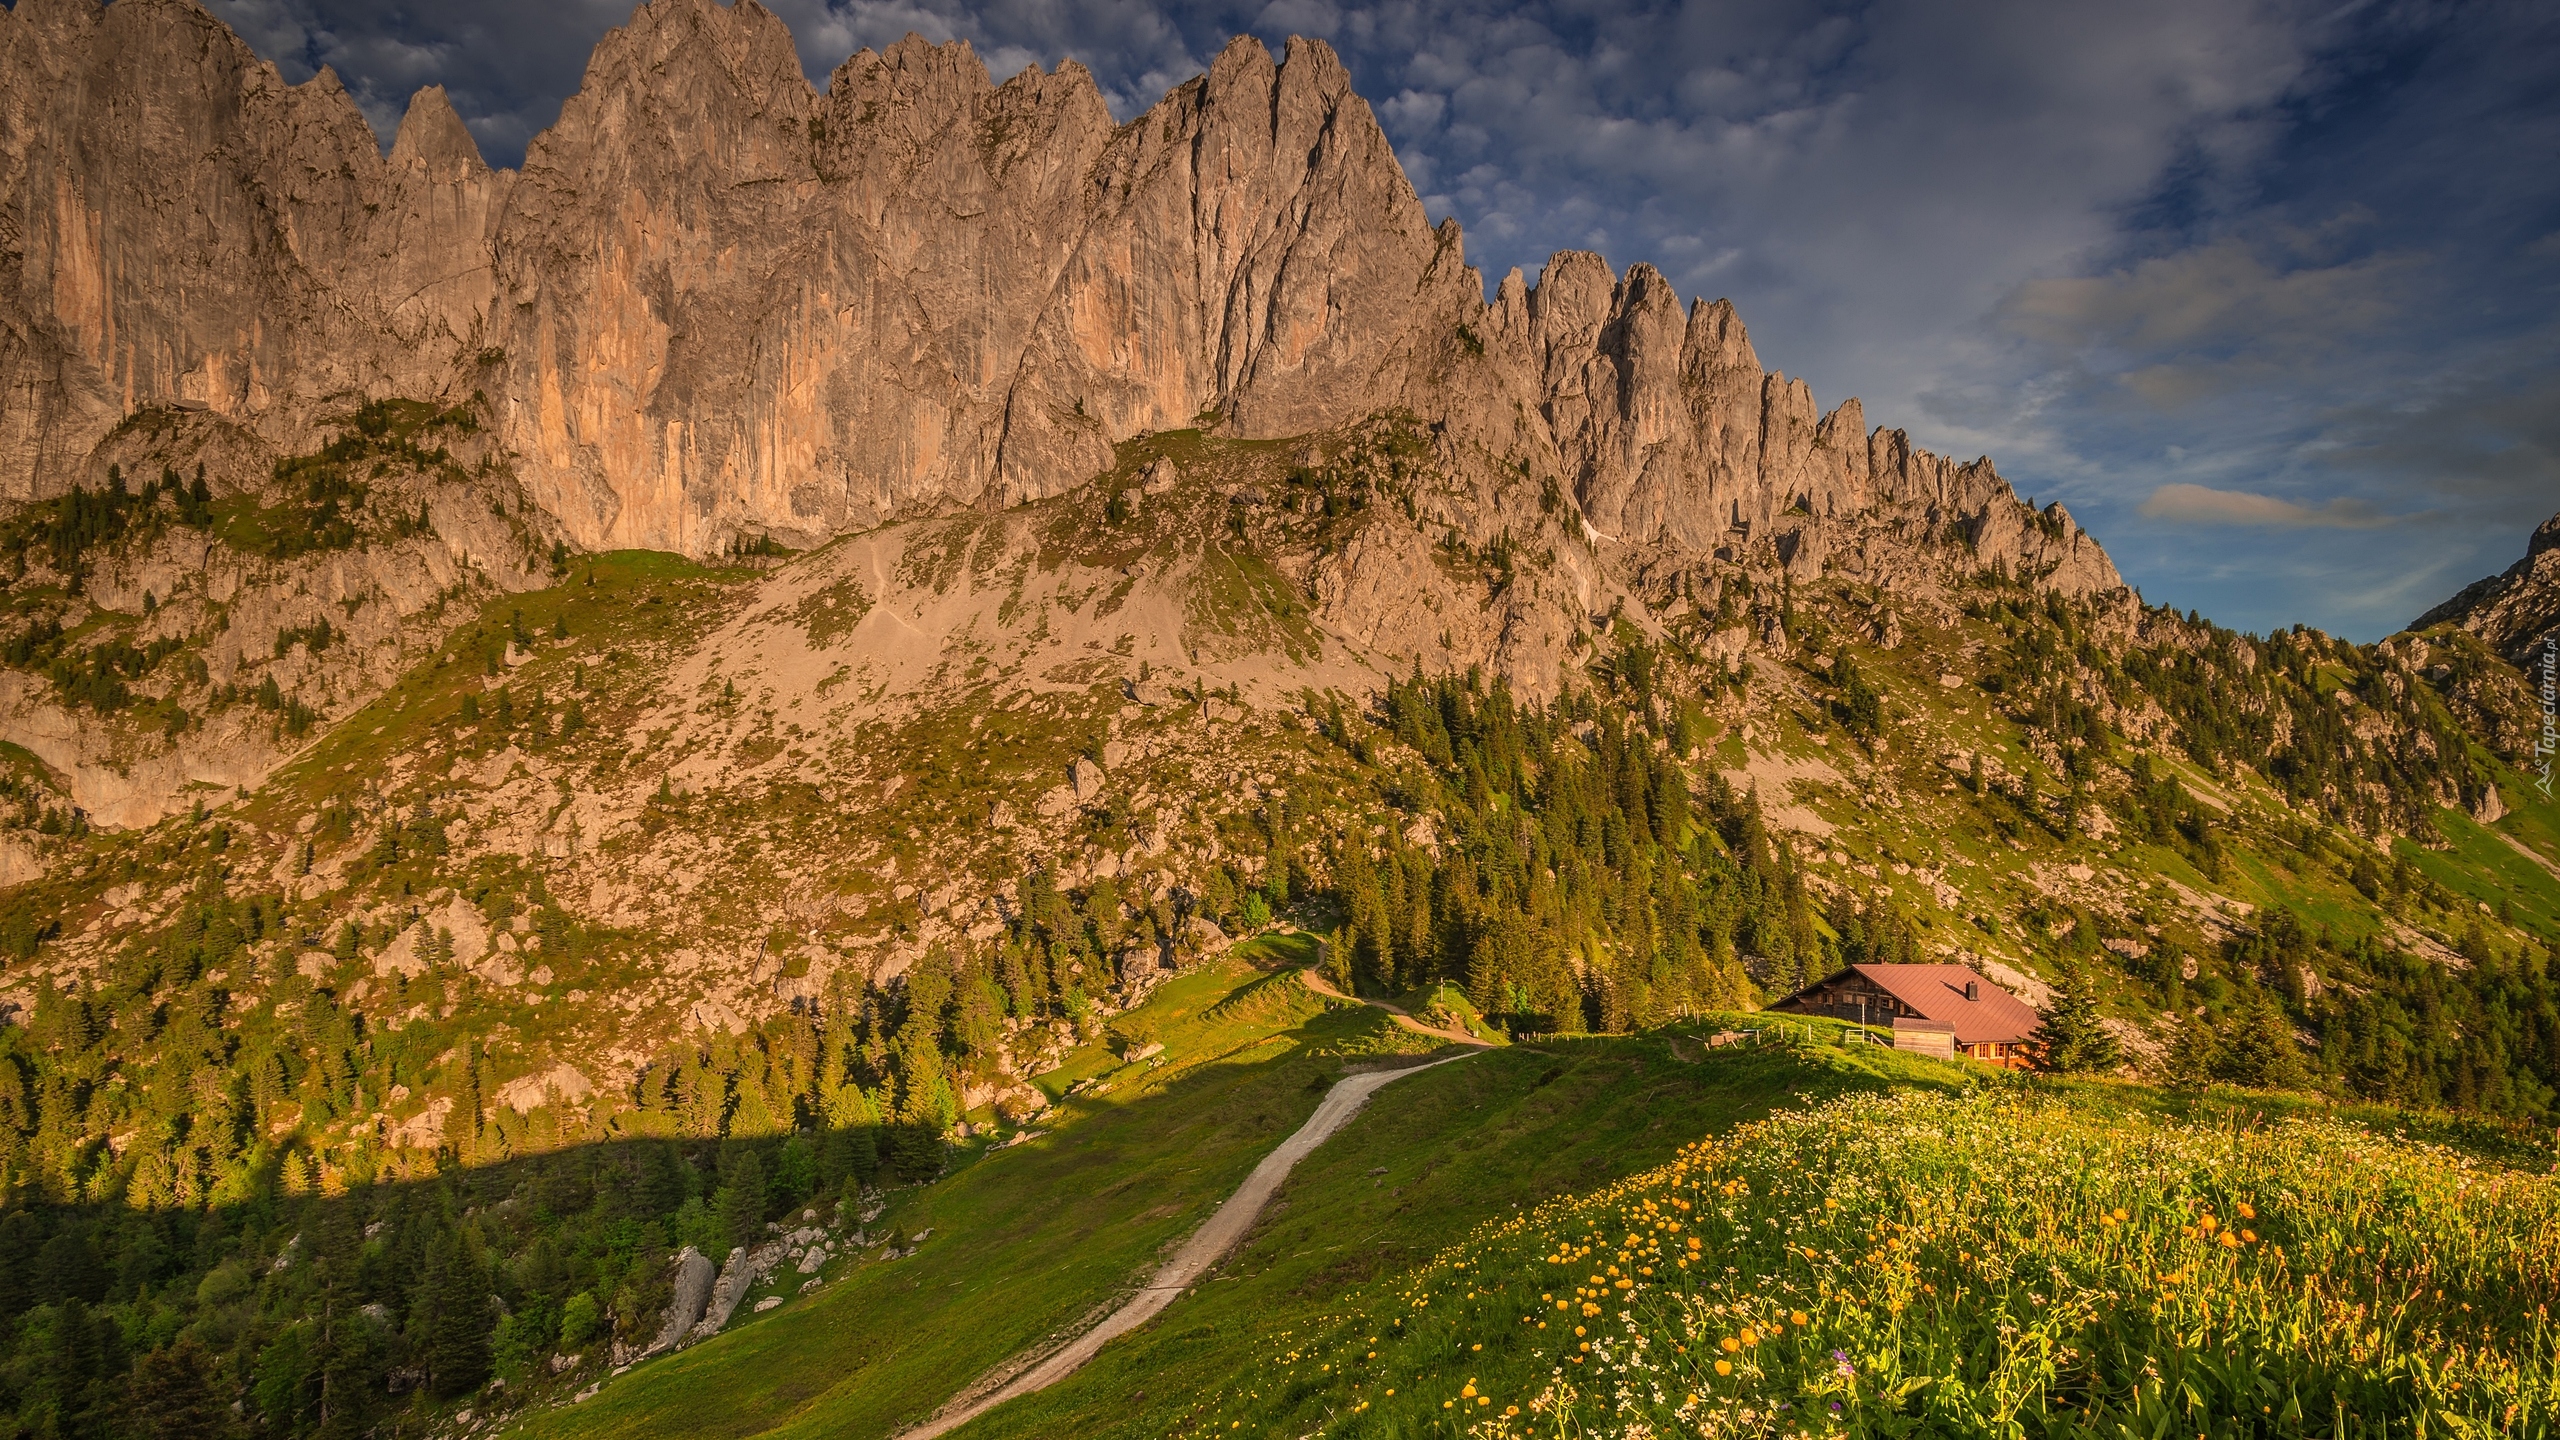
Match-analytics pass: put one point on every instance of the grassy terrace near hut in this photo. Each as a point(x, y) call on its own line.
point(1930, 1261)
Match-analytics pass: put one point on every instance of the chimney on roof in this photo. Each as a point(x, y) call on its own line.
point(1973, 989)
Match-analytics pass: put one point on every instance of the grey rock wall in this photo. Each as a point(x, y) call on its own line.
point(717, 301)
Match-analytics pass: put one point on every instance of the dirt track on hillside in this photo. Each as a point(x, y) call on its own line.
point(1217, 1235)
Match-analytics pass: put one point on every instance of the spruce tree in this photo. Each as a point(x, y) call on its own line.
point(2071, 1039)
point(1366, 925)
point(740, 1202)
point(458, 1319)
point(74, 1375)
point(2259, 1049)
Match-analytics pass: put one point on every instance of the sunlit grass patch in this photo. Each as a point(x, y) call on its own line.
point(1995, 1264)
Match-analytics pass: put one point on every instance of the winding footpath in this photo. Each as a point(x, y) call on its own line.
point(1215, 1237)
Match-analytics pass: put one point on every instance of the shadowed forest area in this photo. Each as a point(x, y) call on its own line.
point(322, 1313)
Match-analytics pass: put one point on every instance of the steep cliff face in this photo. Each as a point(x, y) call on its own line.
point(717, 301)
point(2516, 611)
point(741, 304)
point(180, 225)
point(1668, 429)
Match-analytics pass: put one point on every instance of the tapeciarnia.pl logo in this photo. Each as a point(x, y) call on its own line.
point(2550, 742)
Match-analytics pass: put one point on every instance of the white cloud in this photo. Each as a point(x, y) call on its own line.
point(1412, 111)
point(2186, 504)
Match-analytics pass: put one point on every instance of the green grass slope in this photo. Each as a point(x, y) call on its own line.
point(1928, 1247)
point(1460, 1149)
point(1035, 1241)
point(2008, 1259)
point(1032, 1242)
point(1027, 1240)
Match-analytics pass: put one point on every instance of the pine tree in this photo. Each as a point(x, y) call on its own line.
point(1364, 907)
point(458, 1324)
point(175, 1395)
point(740, 1202)
point(1336, 962)
point(2259, 1049)
point(462, 1124)
point(2071, 1039)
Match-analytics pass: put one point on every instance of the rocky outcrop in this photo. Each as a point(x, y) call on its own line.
point(183, 226)
point(1666, 428)
point(693, 1292)
point(2517, 611)
point(717, 301)
point(744, 1268)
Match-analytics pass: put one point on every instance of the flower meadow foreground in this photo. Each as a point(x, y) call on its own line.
point(1993, 1265)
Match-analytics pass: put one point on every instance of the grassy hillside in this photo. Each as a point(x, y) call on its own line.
point(1036, 1239)
point(1472, 1146)
point(1024, 1241)
point(1978, 1251)
point(2009, 1261)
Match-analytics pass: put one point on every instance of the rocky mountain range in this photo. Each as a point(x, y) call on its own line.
point(716, 301)
point(718, 308)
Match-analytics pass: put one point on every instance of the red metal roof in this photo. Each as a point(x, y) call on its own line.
point(1937, 992)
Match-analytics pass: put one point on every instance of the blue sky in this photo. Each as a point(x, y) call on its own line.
point(2267, 293)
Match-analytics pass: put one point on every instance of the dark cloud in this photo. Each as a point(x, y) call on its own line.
point(2263, 248)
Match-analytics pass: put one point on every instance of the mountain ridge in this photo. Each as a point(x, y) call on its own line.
point(1249, 245)
point(2516, 612)
point(952, 295)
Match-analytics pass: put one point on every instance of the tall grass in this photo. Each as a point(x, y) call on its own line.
point(2009, 1265)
